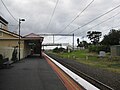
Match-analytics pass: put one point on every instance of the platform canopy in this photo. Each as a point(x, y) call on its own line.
point(33, 36)
point(33, 42)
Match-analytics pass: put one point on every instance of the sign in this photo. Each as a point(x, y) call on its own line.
point(102, 54)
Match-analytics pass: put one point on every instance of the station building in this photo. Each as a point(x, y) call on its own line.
point(30, 43)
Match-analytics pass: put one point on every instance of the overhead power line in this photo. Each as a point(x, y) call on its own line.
point(9, 11)
point(52, 13)
point(77, 16)
point(104, 30)
point(108, 28)
point(112, 28)
point(95, 18)
point(101, 22)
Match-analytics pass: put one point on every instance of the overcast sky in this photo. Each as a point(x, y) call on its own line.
point(38, 13)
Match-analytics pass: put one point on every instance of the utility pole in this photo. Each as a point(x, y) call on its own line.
point(73, 41)
point(19, 36)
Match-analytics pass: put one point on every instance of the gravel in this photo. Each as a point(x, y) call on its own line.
point(109, 78)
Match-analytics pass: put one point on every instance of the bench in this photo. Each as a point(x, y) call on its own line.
point(4, 62)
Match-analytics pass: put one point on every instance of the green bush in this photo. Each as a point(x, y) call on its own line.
point(97, 48)
point(58, 50)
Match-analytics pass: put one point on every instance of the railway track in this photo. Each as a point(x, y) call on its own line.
point(88, 78)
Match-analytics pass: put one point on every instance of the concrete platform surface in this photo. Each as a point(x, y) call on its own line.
point(30, 74)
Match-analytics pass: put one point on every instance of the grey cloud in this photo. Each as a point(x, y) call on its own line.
point(38, 12)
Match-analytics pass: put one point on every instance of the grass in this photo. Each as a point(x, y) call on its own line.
point(83, 56)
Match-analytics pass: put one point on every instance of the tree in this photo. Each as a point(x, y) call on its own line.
point(113, 38)
point(78, 41)
point(85, 44)
point(94, 36)
point(58, 50)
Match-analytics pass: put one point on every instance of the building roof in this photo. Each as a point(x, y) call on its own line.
point(10, 33)
point(33, 36)
point(30, 36)
point(3, 20)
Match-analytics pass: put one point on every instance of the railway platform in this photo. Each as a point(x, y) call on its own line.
point(30, 74)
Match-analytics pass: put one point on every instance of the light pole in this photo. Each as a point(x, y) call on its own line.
point(73, 42)
point(19, 35)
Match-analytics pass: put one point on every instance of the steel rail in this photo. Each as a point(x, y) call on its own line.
point(90, 79)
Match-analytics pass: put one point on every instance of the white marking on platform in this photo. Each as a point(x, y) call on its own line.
point(74, 76)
